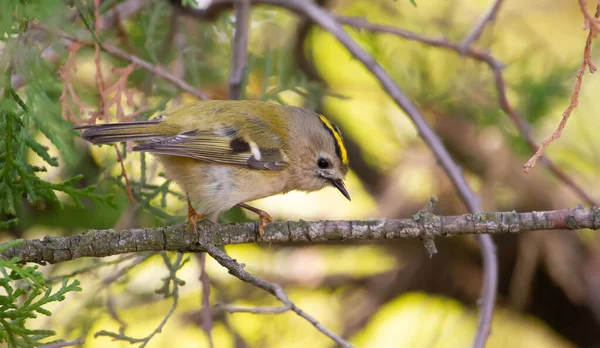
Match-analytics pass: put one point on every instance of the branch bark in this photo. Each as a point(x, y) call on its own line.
point(101, 243)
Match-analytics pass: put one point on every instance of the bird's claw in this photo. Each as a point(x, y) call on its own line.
point(263, 219)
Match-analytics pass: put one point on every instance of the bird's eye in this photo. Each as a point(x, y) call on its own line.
point(323, 163)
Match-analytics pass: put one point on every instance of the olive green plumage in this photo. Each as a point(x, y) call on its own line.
point(225, 152)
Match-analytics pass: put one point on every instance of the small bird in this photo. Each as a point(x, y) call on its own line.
point(223, 153)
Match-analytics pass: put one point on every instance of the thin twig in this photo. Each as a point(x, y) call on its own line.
point(478, 28)
point(205, 311)
point(64, 74)
point(124, 175)
point(169, 289)
point(103, 110)
point(239, 55)
point(62, 344)
point(587, 62)
point(86, 269)
point(236, 269)
point(589, 20)
point(158, 70)
point(254, 310)
point(104, 104)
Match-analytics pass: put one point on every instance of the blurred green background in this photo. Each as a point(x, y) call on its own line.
point(379, 294)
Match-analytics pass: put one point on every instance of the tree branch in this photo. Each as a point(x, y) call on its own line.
point(101, 243)
point(478, 28)
point(239, 50)
point(156, 69)
point(587, 62)
point(236, 269)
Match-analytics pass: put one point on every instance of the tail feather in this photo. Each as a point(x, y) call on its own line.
point(117, 132)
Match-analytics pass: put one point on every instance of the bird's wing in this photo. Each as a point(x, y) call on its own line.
point(227, 147)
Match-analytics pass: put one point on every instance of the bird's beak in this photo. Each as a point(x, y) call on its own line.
point(339, 184)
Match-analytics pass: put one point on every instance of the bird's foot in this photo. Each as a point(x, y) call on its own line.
point(193, 217)
point(263, 217)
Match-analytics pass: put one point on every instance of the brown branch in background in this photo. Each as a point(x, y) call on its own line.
point(589, 20)
point(77, 342)
point(158, 70)
point(124, 175)
point(488, 252)
point(103, 103)
point(478, 28)
point(254, 310)
point(64, 75)
point(206, 324)
point(119, 88)
point(237, 270)
point(239, 55)
point(496, 66)
point(587, 62)
point(103, 110)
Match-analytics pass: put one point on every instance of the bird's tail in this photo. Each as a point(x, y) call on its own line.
point(116, 132)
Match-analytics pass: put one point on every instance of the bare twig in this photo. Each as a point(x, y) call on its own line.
point(490, 267)
point(169, 289)
point(64, 75)
point(254, 310)
point(86, 269)
point(62, 344)
point(239, 56)
point(158, 70)
point(478, 28)
point(587, 62)
point(103, 109)
point(119, 88)
point(590, 22)
point(236, 269)
point(205, 311)
point(124, 175)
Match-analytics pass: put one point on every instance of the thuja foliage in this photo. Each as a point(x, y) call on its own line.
point(24, 296)
point(17, 177)
point(31, 111)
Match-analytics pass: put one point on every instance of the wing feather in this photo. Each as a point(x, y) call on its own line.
point(210, 147)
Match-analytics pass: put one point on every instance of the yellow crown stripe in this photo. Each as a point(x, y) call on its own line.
point(338, 139)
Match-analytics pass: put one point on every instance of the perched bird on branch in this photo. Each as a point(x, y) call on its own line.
point(223, 153)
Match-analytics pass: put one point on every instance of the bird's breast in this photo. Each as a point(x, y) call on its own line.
point(213, 188)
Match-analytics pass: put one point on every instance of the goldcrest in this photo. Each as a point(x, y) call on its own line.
point(223, 153)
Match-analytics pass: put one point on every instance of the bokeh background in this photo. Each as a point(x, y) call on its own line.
point(378, 294)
